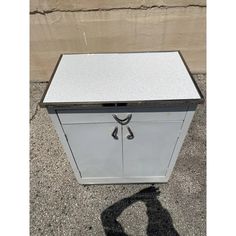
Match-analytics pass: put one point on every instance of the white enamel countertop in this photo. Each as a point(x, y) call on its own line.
point(120, 77)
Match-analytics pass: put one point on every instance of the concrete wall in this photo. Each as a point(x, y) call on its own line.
point(59, 26)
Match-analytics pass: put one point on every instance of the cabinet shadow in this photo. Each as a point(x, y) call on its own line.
point(159, 219)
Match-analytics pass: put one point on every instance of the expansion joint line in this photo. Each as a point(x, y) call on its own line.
point(35, 112)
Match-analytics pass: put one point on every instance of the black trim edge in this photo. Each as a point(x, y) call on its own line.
point(201, 100)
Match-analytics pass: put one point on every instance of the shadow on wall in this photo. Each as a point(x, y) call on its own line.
point(159, 219)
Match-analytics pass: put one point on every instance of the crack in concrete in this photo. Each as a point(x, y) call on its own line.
point(35, 112)
point(142, 7)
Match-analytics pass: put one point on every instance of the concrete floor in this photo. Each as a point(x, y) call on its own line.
point(60, 206)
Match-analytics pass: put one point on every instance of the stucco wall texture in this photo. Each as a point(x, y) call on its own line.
point(58, 26)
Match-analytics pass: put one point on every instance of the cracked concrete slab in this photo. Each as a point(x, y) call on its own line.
point(141, 7)
point(98, 5)
point(155, 29)
point(61, 206)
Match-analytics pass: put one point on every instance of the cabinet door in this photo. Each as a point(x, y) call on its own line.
point(96, 152)
point(149, 152)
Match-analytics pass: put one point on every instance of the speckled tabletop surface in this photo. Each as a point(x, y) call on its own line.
point(121, 77)
point(61, 206)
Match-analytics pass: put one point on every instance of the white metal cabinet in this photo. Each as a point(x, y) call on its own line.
point(139, 147)
point(122, 118)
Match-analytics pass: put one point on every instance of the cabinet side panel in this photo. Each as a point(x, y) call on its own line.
point(184, 131)
point(64, 142)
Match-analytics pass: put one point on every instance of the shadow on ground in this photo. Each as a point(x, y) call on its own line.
point(159, 219)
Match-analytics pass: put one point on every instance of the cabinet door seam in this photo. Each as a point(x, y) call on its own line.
point(122, 146)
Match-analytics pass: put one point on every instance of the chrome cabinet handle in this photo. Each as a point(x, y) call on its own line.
point(123, 121)
point(131, 134)
point(114, 133)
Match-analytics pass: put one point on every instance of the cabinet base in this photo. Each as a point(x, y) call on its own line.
point(126, 180)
